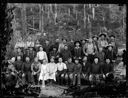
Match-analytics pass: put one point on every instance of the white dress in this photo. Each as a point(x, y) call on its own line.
point(43, 73)
point(51, 68)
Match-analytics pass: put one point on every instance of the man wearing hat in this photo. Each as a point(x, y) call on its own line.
point(102, 41)
point(95, 40)
point(110, 53)
point(113, 42)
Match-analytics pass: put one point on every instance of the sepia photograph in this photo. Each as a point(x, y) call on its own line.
point(55, 50)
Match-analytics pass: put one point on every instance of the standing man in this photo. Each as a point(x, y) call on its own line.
point(89, 50)
point(26, 69)
point(41, 55)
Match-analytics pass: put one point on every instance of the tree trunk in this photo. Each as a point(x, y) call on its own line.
point(23, 12)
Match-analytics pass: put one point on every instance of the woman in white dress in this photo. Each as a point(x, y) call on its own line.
point(43, 73)
point(51, 69)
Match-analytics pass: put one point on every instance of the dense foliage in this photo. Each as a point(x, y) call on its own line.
point(71, 21)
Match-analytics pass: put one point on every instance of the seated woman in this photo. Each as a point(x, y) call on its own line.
point(35, 68)
point(77, 73)
point(61, 70)
point(51, 70)
point(43, 72)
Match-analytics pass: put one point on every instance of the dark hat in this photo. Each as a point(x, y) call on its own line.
point(102, 34)
point(112, 36)
point(77, 42)
point(110, 45)
point(95, 36)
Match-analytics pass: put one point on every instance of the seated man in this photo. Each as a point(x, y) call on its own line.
point(51, 70)
point(77, 72)
point(95, 70)
point(85, 68)
point(69, 73)
point(35, 68)
point(61, 70)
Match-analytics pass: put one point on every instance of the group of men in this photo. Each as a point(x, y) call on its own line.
point(66, 62)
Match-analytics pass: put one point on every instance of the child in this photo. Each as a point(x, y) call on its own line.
point(77, 72)
point(43, 76)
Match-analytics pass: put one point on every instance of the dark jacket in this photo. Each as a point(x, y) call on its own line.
point(65, 54)
point(110, 54)
point(77, 68)
point(77, 52)
point(70, 67)
point(26, 67)
point(86, 68)
point(96, 68)
point(106, 68)
point(18, 65)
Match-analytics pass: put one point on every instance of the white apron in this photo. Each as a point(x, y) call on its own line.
point(51, 68)
point(43, 73)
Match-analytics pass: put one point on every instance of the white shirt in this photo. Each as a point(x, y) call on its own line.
point(42, 55)
point(61, 66)
point(51, 67)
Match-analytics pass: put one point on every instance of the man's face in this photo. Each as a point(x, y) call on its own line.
point(47, 42)
point(19, 58)
point(52, 59)
point(31, 49)
point(19, 50)
point(36, 59)
point(112, 38)
point(76, 61)
point(107, 61)
point(85, 59)
point(90, 40)
point(54, 49)
point(100, 49)
point(96, 60)
point(41, 48)
point(83, 41)
point(110, 48)
point(27, 59)
point(77, 44)
point(60, 59)
point(65, 47)
point(70, 60)
point(64, 41)
point(102, 37)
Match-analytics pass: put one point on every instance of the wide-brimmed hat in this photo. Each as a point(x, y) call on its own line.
point(77, 42)
point(95, 36)
point(112, 36)
point(110, 45)
point(102, 34)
